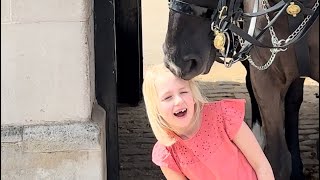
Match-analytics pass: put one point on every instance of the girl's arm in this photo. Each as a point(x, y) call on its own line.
point(171, 174)
point(249, 146)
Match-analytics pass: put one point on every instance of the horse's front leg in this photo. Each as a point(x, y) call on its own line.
point(294, 98)
point(255, 113)
point(271, 103)
point(256, 124)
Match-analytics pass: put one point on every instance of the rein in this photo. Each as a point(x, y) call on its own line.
point(232, 42)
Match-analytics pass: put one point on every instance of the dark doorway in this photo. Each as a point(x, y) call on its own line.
point(129, 51)
point(118, 66)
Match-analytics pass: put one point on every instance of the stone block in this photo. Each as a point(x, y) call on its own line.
point(26, 11)
point(46, 66)
point(11, 133)
point(5, 11)
point(62, 151)
point(77, 165)
point(61, 137)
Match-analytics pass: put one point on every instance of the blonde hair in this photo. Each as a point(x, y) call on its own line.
point(160, 128)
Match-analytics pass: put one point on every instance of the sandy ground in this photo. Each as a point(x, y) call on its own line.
point(135, 136)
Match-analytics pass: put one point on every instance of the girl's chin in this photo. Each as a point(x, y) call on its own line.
point(185, 121)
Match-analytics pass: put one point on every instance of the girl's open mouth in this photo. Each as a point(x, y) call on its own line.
point(180, 113)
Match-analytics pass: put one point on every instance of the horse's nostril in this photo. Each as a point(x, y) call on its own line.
point(193, 64)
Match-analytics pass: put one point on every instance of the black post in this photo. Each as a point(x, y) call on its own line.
point(129, 51)
point(106, 70)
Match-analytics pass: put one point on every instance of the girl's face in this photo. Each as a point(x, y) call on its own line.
point(176, 103)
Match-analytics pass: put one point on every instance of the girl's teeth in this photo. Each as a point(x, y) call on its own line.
point(179, 113)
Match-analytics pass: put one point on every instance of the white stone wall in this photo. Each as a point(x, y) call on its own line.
point(47, 61)
point(50, 126)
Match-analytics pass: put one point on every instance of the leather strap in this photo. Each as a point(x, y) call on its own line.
point(301, 48)
point(190, 9)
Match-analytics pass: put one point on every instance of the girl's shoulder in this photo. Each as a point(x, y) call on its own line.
point(228, 102)
point(160, 152)
point(161, 156)
point(226, 113)
point(223, 105)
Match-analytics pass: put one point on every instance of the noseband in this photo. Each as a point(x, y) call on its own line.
point(227, 21)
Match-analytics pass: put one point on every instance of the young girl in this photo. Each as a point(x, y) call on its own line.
point(196, 139)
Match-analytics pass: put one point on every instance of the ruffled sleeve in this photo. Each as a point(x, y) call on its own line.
point(233, 113)
point(162, 157)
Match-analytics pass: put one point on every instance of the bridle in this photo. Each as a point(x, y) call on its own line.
point(232, 42)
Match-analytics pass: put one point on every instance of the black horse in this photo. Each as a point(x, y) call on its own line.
point(276, 90)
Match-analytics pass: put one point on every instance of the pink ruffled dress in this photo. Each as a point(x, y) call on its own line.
point(210, 154)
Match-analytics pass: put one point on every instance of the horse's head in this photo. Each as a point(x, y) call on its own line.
point(188, 44)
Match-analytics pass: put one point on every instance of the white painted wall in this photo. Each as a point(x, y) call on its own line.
point(47, 68)
point(155, 16)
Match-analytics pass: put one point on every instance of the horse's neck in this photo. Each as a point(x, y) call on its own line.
point(261, 22)
point(249, 4)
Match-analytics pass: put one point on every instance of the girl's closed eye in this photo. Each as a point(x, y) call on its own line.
point(166, 98)
point(184, 92)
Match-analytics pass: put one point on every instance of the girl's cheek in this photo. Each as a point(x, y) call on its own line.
point(164, 108)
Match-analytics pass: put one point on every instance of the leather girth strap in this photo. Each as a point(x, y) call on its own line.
point(301, 49)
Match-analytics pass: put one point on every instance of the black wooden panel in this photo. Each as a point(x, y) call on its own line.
point(106, 88)
point(129, 51)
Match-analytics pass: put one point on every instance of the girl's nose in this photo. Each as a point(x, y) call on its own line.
point(178, 100)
